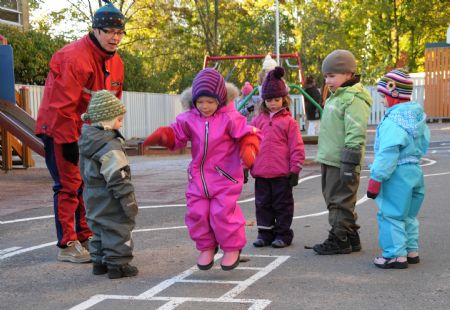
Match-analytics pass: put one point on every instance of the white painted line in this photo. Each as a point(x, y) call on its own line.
point(173, 302)
point(143, 207)
point(436, 174)
point(25, 250)
point(8, 250)
point(430, 162)
point(310, 215)
point(210, 281)
point(246, 283)
point(158, 229)
point(27, 219)
point(360, 201)
point(433, 152)
point(162, 206)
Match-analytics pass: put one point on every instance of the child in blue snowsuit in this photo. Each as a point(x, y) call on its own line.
point(396, 178)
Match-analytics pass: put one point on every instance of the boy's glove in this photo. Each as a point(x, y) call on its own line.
point(373, 189)
point(163, 136)
point(129, 205)
point(245, 176)
point(293, 179)
point(349, 160)
point(249, 149)
point(70, 152)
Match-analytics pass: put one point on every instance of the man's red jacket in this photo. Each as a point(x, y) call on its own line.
point(76, 70)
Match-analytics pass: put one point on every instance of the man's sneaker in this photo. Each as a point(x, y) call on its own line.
point(85, 243)
point(333, 246)
point(355, 242)
point(120, 271)
point(74, 252)
point(99, 269)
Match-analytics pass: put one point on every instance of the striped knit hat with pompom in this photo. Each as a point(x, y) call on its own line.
point(104, 106)
point(209, 83)
point(396, 84)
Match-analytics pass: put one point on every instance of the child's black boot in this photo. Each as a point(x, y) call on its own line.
point(333, 246)
point(355, 242)
point(99, 269)
point(120, 271)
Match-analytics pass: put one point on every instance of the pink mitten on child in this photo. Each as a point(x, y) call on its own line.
point(163, 136)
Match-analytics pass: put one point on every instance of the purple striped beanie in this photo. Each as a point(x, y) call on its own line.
point(396, 84)
point(208, 82)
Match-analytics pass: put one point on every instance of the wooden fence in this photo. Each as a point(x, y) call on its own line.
point(437, 80)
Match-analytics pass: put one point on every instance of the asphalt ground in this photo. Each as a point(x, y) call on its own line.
point(290, 278)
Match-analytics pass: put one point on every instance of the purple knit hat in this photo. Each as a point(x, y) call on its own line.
point(208, 82)
point(273, 85)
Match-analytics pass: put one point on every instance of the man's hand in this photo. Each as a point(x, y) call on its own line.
point(70, 152)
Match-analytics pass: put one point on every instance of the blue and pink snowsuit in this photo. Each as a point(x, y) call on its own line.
point(215, 176)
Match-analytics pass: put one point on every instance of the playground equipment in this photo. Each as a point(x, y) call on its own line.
point(16, 125)
point(286, 58)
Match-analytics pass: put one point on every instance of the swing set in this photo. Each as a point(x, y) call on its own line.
point(286, 57)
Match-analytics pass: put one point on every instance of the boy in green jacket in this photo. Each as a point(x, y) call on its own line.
point(342, 141)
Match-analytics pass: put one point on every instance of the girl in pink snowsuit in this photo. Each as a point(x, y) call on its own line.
point(220, 138)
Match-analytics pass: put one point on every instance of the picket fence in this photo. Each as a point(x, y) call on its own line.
point(148, 111)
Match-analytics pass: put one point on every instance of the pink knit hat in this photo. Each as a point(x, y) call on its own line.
point(246, 89)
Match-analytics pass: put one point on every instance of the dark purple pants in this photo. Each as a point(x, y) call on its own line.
point(274, 209)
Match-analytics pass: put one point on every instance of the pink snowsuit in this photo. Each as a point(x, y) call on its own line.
point(215, 176)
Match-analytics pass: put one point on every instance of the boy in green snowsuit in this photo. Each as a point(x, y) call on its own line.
point(342, 141)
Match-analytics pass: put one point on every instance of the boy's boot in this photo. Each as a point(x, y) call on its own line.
point(120, 271)
point(74, 252)
point(355, 242)
point(333, 246)
point(99, 268)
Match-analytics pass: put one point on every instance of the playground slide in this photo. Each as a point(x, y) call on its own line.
point(21, 125)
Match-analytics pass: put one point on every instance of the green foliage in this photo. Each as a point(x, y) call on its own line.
point(167, 40)
point(32, 53)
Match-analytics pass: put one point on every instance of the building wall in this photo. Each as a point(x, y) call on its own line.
point(15, 13)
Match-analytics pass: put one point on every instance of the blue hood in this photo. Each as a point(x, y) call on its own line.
point(409, 116)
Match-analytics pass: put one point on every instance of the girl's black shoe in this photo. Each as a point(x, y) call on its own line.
point(413, 260)
point(390, 263)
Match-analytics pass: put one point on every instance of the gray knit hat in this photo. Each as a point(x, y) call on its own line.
point(104, 106)
point(339, 61)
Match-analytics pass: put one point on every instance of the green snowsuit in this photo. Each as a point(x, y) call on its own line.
point(343, 124)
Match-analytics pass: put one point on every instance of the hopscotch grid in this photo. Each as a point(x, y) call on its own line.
point(173, 302)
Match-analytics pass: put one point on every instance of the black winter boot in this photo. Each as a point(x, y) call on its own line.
point(333, 246)
point(120, 271)
point(355, 242)
point(99, 269)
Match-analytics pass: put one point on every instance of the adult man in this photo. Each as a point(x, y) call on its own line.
point(76, 71)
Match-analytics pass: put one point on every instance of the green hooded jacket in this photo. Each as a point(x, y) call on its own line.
point(344, 124)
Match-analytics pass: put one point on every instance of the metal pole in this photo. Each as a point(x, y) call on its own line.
point(277, 26)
